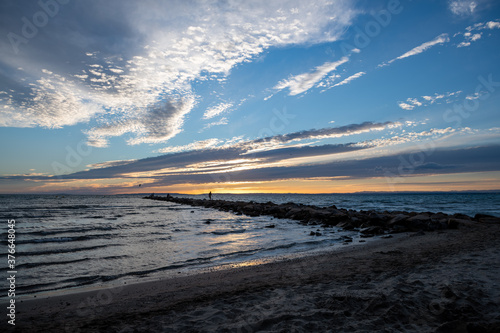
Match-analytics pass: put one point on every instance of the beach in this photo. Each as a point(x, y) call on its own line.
point(440, 281)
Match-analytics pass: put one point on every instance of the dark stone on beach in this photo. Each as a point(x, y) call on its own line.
point(347, 225)
point(313, 222)
point(453, 223)
point(483, 218)
point(375, 230)
point(419, 218)
point(399, 228)
point(461, 216)
point(419, 222)
point(336, 218)
point(399, 219)
point(377, 219)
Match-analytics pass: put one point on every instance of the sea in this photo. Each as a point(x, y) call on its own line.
point(64, 243)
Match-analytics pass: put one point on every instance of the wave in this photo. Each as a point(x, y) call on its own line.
point(58, 251)
point(51, 263)
point(67, 231)
point(65, 239)
point(226, 231)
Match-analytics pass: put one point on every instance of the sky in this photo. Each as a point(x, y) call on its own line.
point(292, 96)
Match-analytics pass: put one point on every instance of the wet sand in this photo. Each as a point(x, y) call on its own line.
point(441, 281)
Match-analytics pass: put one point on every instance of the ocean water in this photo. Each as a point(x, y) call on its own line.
point(63, 242)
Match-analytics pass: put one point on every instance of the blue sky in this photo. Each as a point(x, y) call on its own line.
point(256, 96)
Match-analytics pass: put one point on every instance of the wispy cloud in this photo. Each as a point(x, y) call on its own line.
point(348, 79)
point(441, 39)
point(222, 121)
point(301, 83)
point(280, 141)
point(217, 110)
point(205, 144)
point(427, 100)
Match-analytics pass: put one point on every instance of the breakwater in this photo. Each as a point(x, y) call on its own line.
point(369, 222)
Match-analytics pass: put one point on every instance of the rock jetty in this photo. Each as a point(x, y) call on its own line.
point(369, 223)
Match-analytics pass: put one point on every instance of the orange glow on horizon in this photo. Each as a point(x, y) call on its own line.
point(451, 182)
point(447, 182)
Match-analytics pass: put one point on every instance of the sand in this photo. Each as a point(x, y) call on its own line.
point(441, 281)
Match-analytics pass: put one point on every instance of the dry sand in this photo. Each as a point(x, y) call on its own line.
point(447, 281)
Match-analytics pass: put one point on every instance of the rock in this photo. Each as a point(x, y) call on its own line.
point(438, 217)
point(377, 219)
point(483, 218)
point(313, 222)
point(453, 223)
point(399, 228)
point(462, 216)
point(345, 225)
point(399, 219)
point(335, 216)
point(419, 218)
point(419, 222)
point(375, 230)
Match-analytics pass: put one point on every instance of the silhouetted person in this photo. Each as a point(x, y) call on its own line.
point(210, 195)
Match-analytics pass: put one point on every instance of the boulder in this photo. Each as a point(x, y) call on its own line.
point(374, 230)
point(419, 222)
point(483, 218)
point(399, 219)
point(377, 219)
